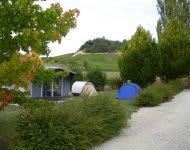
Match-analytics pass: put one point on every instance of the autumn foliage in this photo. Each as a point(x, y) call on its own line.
point(18, 72)
point(26, 27)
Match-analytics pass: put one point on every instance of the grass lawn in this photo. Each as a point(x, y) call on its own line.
point(7, 125)
point(106, 62)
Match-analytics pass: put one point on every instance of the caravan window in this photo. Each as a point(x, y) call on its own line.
point(52, 90)
point(47, 90)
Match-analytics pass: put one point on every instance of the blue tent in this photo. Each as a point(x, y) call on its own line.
point(128, 91)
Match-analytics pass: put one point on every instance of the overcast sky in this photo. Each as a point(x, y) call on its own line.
point(113, 19)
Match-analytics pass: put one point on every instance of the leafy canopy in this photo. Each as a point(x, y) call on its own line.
point(170, 10)
point(174, 41)
point(17, 72)
point(25, 26)
point(48, 75)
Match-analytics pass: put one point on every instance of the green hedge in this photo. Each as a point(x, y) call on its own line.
point(75, 124)
point(158, 93)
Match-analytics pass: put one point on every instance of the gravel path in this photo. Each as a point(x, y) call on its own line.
point(166, 127)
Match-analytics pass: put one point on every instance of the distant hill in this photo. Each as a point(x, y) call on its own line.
point(101, 45)
point(105, 61)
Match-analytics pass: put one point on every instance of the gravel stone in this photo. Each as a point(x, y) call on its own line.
point(166, 127)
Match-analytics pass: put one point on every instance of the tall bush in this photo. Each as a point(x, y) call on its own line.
point(97, 77)
point(174, 45)
point(139, 61)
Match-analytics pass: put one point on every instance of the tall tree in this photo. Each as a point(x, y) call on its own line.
point(174, 46)
point(26, 27)
point(139, 59)
point(170, 10)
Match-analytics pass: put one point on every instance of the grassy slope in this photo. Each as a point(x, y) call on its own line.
point(106, 62)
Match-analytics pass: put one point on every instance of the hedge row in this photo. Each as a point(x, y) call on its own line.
point(158, 93)
point(82, 123)
point(78, 124)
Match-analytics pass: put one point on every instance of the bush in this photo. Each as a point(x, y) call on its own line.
point(158, 93)
point(149, 99)
point(20, 98)
point(24, 100)
point(77, 124)
point(114, 83)
point(97, 77)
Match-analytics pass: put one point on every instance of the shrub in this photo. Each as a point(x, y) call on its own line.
point(77, 124)
point(20, 98)
point(97, 77)
point(158, 93)
point(114, 83)
point(149, 98)
point(26, 101)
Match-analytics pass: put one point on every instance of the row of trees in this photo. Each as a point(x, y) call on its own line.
point(101, 45)
point(143, 59)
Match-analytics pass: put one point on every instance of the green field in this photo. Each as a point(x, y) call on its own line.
point(106, 62)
